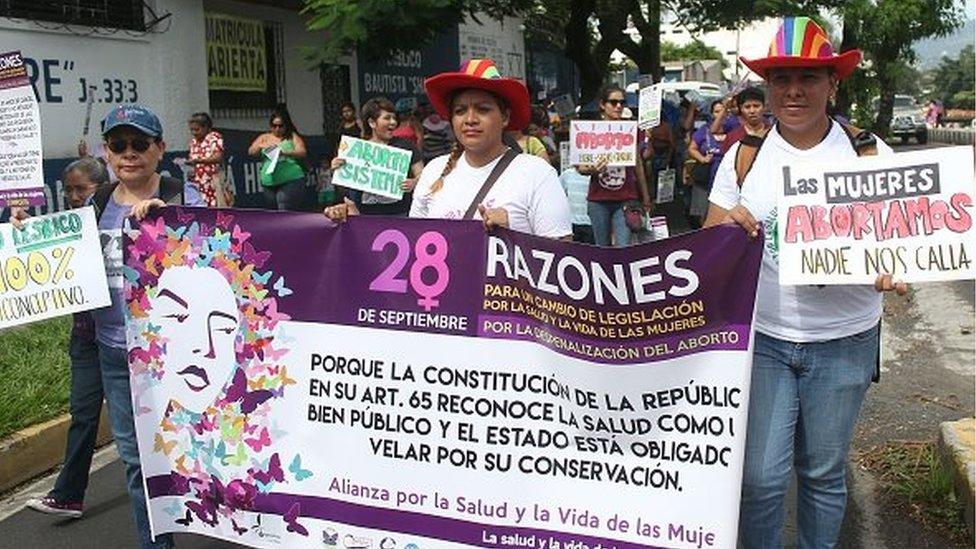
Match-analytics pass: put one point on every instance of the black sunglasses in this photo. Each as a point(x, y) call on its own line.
point(139, 144)
point(615, 102)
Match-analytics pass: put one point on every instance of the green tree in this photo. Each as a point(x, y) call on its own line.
point(376, 28)
point(956, 80)
point(692, 51)
point(885, 30)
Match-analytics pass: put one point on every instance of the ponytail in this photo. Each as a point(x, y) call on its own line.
point(457, 149)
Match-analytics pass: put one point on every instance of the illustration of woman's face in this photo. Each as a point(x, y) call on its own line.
point(198, 317)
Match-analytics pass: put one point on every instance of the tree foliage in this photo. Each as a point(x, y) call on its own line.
point(885, 30)
point(692, 51)
point(376, 28)
point(956, 80)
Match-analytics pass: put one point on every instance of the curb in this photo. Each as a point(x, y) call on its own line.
point(957, 448)
point(39, 448)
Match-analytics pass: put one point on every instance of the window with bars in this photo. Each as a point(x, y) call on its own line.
point(256, 104)
point(119, 14)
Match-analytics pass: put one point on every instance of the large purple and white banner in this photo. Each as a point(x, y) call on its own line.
point(418, 383)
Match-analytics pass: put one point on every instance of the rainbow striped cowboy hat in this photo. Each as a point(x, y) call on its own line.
point(800, 42)
point(479, 74)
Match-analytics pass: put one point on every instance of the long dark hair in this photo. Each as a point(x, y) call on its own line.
point(281, 112)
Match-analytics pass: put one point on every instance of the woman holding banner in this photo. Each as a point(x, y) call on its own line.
point(482, 178)
point(612, 187)
point(379, 122)
point(816, 347)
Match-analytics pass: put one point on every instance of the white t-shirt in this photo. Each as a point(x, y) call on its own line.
point(795, 313)
point(528, 189)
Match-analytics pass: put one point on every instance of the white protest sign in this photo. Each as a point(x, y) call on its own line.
point(564, 163)
point(372, 167)
point(909, 215)
point(21, 156)
point(649, 107)
point(665, 186)
point(52, 267)
point(611, 139)
point(272, 155)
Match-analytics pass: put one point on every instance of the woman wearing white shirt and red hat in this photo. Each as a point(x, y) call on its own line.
point(816, 347)
point(481, 105)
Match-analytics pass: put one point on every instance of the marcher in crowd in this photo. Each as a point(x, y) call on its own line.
point(349, 123)
point(576, 187)
point(752, 106)
point(481, 105)
point(134, 139)
point(816, 347)
point(379, 121)
point(284, 149)
point(81, 178)
point(705, 149)
point(612, 187)
point(206, 159)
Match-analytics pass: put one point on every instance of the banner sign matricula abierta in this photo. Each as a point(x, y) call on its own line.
point(589, 141)
point(420, 383)
point(372, 167)
point(909, 215)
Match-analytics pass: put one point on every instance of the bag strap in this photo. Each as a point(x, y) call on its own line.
point(745, 156)
point(496, 172)
point(170, 192)
point(863, 141)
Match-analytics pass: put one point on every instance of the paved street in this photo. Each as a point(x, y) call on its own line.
point(927, 378)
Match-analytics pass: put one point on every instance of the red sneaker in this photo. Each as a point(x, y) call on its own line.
point(51, 506)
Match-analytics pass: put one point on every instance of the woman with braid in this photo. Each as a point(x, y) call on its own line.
point(481, 105)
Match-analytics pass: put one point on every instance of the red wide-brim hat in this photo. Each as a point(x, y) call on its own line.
point(480, 74)
point(800, 42)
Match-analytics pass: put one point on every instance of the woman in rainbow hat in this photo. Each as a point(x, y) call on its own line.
point(482, 178)
point(816, 347)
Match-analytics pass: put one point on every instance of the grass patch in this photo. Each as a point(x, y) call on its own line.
point(35, 376)
point(921, 482)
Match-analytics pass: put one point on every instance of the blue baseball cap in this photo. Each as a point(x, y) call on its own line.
point(137, 116)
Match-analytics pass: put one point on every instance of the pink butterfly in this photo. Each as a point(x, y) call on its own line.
point(240, 235)
point(153, 229)
point(260, 442)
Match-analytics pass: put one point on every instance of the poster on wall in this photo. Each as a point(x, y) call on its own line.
point(909, 215)
point(21, 155)
point(421, 383)
point(52, 267)
point(236, 53)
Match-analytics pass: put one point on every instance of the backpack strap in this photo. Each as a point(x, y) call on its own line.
point(745, 156)
point(100, 199)
point(863, 141)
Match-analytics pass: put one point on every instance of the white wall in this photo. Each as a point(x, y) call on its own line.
point(303, 89)
point(161, 70)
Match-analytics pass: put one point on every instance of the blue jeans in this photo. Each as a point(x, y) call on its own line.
point(115, 380)
point(605, 216)
point(289, 196)
point(85, 405)
point(803, 404)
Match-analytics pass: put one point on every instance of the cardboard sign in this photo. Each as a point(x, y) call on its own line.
point(372, 167)
point(614, 140)
point(909, 215)
point(649, 107)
